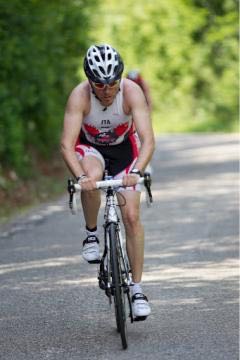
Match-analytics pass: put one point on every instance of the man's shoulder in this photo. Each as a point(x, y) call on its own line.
point(81, 93)
point(129, 84)
point(79, 97)
point(130, 88)
point(132, 92)
point(81, 89)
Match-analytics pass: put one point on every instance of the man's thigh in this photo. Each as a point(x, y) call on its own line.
point(91, 160)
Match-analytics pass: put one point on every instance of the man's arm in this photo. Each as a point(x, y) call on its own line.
point(71, 129)
point(146, 90)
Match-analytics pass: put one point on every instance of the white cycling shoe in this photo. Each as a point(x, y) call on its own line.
point(140, 306)
point(90, 250)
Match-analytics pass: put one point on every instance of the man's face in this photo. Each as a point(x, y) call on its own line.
point(106, 93)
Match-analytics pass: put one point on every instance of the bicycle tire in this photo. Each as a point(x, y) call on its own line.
point(123, 271)
point(118, 292)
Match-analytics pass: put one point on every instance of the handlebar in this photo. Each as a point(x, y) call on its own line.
point(74, 187)
point(107, 183)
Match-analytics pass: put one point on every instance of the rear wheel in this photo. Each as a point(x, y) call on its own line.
point(118, 289)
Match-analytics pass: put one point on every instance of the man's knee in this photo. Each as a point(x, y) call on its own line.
point(93, 168)
point(94, 173)
point(131, 219)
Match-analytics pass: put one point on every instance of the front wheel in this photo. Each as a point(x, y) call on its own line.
point(118, 290)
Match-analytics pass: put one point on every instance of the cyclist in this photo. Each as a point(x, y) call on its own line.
point(98, 128)
point(136, 76)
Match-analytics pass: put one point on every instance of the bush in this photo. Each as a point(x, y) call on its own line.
point(41, 44)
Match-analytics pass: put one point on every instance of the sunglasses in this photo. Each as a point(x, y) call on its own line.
point(103, 86)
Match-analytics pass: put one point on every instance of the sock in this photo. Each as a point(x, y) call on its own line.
point(92, 231)
point(136, 288)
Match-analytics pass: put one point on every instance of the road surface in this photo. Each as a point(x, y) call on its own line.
point(51, 306)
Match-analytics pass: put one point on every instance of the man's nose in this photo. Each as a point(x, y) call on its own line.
point(106, 90)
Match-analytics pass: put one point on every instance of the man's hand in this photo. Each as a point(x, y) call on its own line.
point(130, 179)
point(87, 184)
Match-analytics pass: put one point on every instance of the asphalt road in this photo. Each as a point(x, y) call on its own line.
point(51, 306)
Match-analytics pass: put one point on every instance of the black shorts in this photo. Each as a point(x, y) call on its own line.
point(116, 157)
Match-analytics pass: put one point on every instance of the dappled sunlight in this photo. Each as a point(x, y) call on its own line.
point(204, 271)
point(54, 283)
point(212, 154)
point(49, 210)
point(176, 302)
point(174, 248)
point(149, 256)
point(224, 184)
point(39, 264)
point(75, 282)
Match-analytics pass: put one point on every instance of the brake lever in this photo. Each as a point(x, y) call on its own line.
point(147, 184)
point(71, 190)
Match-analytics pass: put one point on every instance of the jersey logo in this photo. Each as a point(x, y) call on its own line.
point(105, 122)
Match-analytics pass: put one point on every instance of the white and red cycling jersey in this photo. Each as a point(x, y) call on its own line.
point(107, 125)
point(107, 133)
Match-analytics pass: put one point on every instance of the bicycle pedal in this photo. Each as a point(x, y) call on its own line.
point(108, 293)
point(102, 285)
point(94, 261)
point(140, 318)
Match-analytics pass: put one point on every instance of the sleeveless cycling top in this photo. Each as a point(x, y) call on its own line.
point(106, 125)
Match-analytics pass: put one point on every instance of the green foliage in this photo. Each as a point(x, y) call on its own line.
point(187, 50)
point(42, 43)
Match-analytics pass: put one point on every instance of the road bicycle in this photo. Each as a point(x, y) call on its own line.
point(114, 274)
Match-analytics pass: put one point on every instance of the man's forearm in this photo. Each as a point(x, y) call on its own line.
point(72, 162)
point(145, 155)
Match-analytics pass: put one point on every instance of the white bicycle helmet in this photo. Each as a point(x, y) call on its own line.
point(103, 64)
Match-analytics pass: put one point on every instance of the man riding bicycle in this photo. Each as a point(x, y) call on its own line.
point(99, 122)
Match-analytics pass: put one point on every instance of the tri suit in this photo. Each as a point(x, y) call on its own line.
point(107, 133)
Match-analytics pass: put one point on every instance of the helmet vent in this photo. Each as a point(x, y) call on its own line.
point(95, 72)
point(102, 69)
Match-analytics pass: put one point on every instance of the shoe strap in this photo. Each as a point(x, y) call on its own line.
point(91, 239)
point(139, 296)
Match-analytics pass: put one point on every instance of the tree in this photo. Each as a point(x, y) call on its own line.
point(187, 49)
point(42, 43)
